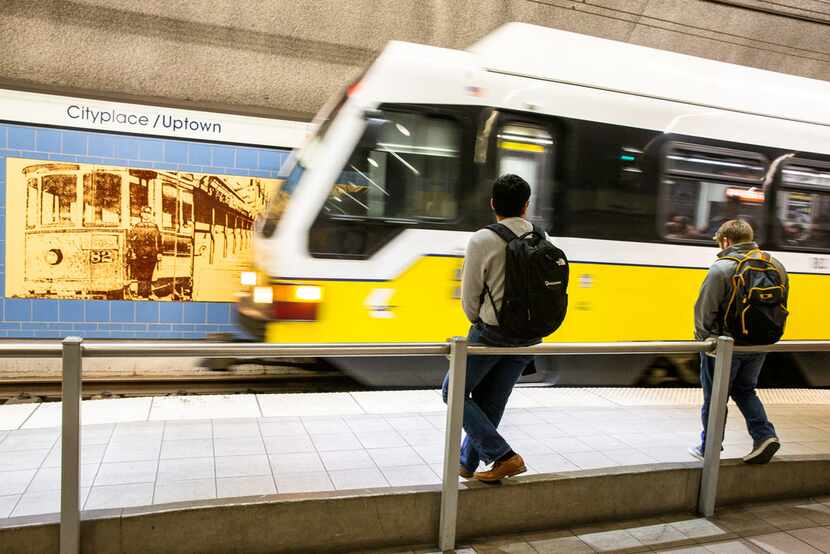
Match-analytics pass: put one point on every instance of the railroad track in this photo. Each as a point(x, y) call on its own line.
point(272, 379)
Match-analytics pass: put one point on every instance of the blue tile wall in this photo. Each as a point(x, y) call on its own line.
point(71, 310)
point(73, 143)
point(175, 152)
point(95, 310)
point(46, 318)
point(48, 140)
point(22, 138)
point(246, 158)
point(199, 154)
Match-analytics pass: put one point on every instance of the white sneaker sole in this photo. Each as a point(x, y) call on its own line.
point(764, 453)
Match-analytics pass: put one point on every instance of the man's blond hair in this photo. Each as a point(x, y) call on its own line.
point(735, 231)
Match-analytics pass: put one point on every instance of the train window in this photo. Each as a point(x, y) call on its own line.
point(719, 163)
point(102, 199)
point(806, 174)
point(804, 205)
point(58, 199)
point(703, 187)
point(31, 202)
point(527, 150)
point(139, 198)
point(187, 209)
point(405, 167)
point(169, 207)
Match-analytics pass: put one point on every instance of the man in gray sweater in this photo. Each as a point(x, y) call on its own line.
point(490, 379)
point(735, 239)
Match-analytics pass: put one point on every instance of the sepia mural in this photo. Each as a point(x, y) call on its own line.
point(84, 231)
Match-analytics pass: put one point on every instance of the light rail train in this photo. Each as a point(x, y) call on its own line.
point(634, 155)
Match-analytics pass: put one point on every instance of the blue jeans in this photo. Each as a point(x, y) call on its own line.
point(742, 382)
point(489, 382)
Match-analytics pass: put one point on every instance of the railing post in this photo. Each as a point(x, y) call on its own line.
point(452, 443)
point(715, 426)
point(71, 447)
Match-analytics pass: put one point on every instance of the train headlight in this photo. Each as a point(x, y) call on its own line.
point(297, 302)
point(308, 294)
point(53, 256)
point(248, 278)
point(263, 295)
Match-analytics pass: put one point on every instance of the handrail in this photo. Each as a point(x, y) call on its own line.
point(51, 349)
point(562, 348)
point(128, 349)
point(74, 349)
point(789, 346)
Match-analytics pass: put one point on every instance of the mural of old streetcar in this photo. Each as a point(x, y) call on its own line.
point(128, 233)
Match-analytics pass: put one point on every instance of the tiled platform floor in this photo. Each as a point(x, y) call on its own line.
point(791, 527)
point(148, 451)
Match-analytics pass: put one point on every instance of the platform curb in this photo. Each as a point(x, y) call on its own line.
point(377, 518)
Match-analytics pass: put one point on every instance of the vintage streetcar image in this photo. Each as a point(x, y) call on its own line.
point(89, 231)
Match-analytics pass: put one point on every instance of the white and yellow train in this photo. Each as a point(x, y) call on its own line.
point(635, 156)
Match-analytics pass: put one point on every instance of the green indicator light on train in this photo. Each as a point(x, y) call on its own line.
point(627, 157)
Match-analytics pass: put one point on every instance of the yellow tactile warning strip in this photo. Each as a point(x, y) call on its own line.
point(666, 397)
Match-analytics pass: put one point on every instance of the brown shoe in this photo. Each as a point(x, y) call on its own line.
point(512, 466)
point(465, 473)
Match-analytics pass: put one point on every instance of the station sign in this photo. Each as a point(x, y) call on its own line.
point(102, 115)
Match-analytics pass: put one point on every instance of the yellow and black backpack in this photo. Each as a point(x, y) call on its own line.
point(757, 309)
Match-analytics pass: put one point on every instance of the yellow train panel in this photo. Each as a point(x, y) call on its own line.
point(606, 303)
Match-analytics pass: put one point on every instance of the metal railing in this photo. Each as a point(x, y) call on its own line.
point(73, 349)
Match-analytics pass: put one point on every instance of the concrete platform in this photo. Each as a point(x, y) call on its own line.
point(153, 451)
point(354, 521)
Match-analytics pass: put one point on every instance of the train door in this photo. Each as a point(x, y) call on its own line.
point(527, 149)
point(103, 208)
point(175, 272)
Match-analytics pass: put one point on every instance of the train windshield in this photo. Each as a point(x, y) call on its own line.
point(59, 196)
point(406, 166)
point(102, 199)
point(295, 167)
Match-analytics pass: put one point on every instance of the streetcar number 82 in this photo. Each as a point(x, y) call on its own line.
point(100, 256)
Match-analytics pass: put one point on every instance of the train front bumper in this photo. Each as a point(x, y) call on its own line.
point(263, 303)
point(252, 317)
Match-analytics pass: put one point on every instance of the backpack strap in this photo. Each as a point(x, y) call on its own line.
point(503, 231)
point(534, 230)
point(505, 234)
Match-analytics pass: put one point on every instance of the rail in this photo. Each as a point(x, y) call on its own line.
point(73, 349)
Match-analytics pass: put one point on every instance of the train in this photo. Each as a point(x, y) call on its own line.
point(79, 218)
point(634, 156)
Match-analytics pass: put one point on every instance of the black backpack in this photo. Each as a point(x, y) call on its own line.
point(535, 285)
point(756, 312)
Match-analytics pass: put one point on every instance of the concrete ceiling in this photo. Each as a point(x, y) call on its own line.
point(284, 59)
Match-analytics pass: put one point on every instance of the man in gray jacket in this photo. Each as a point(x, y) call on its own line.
point(490, 379)
point(735, 239)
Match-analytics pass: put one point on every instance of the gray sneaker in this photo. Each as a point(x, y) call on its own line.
point(762, 451)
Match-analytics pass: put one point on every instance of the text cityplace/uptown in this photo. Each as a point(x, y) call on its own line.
point(166, 121)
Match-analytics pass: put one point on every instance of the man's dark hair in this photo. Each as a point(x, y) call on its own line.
point(510, 194)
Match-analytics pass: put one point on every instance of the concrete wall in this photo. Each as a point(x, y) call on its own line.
point(285, 58)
